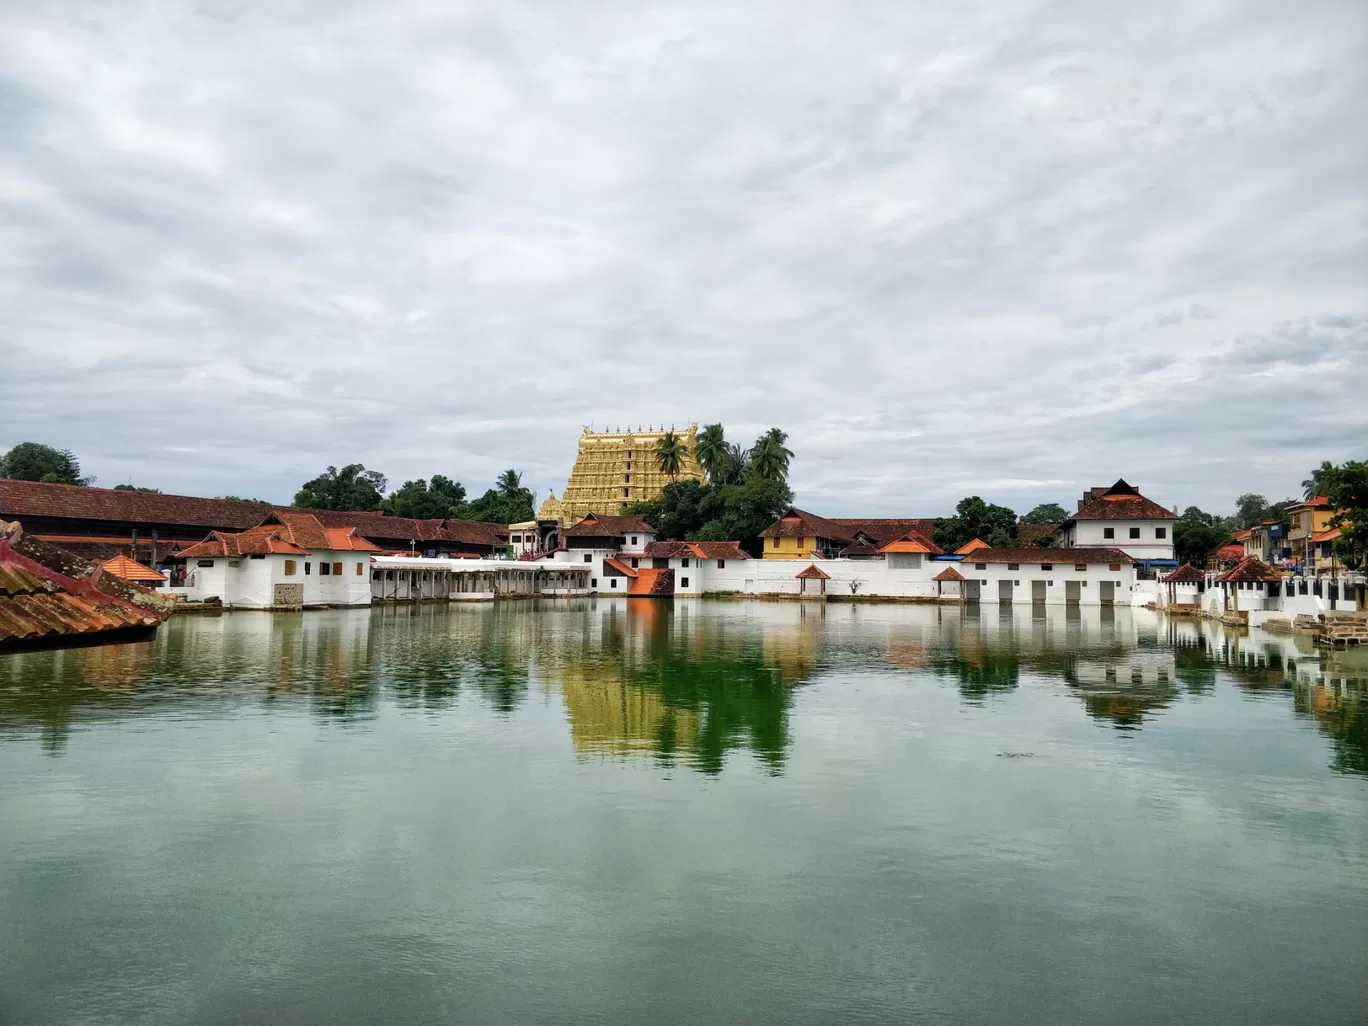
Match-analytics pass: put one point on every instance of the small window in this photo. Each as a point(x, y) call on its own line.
point(1135, 532)
point(1108, 532)
point(1081, 567)
point(234, 563)
point(683, 582)
point(634, 539)
point(626, 493)
point(324, 569)
point(1085, 584)
point(360, 570)
point(721, 564)
point(204, 562)
point(612, 582)
point(1047, 566)
point(775, 544)
point(627, 479)
point(337, 569)
point(980, 566)
point(588, 558)
point(684, 563)
point(1161, 532)
point(1114, 567)
point(257, 557)
point(635, 562)
point(593, 582)
point(308, 568)
point(1013, 566)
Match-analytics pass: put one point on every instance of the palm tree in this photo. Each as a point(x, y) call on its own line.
point(1315, 484)
point(711, 452)
point(509, 484)
point(769, 457)
point(669, 454)
point(737, 465)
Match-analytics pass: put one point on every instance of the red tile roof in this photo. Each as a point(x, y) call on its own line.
point(131, 570)
point(1120, 502)
point(1230, 552)
point(1028, 533)
point(972, 545)
point(812, 573)
point(616, 568)
point(598, 525)
point(20, 499)
point(48, 596)
point(652, 583)
point(256, 542)
point(699, 550)
point(949, 574)
point(913, 541)
point(797, 523)
point(1333, 534)
point(1055, 556)
point(1249, 570)
point(1185, 574)
point(345, 539)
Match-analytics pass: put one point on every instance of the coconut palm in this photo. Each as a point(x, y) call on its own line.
point(509, 484)
point(737, 464)
point(769, 457)
point(1315, 484)
point(669, 454)
point(711, 452)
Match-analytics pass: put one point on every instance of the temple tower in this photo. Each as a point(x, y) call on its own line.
point(614, 468)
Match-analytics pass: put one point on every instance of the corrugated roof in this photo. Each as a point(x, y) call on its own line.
point(132, 570)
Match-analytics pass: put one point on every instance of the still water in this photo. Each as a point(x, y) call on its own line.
point(714, 812)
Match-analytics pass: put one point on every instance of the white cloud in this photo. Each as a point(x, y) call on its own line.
point(999, 248)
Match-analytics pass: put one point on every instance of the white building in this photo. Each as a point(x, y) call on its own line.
point(524, 538)
point(1120, 517)
point(599, 537)
point(290, 561)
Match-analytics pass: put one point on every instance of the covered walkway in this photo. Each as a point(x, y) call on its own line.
point(423, 579)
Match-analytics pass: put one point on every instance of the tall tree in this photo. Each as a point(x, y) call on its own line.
point(33, 461)
point(975, 518)
point(712, 454)
point(1250, 510)
point(770, 456)
point(424, 500)
point(1346, 486)
point(1319, 481)
point(737, 466)
point(508, 502)
point(351, 488)
point(509, 484)
point(669, 454)
point(1046, 513)
point(1197, 533)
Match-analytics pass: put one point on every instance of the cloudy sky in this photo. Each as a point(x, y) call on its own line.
point(1013, 249)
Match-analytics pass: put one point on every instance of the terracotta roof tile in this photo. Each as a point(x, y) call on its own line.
point(913, 541)
point(812, 573)
point(1028, 533)
point(652, 583)
point(1249, 570)
point(1049, 556)
point(131, 570)
point(1185, 574)
point(20, 499)
point(1121, 502)
point(949, 574)
point(598, 525)
point(971, 546)
point(617, 568)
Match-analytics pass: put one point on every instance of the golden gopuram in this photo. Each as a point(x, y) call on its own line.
point(614, 468)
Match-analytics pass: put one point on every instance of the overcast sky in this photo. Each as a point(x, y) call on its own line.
point(1012, 249)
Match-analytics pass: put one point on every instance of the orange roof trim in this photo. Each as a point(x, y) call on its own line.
point(132, 570)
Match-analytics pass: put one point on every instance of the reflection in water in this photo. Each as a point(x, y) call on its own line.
point(678, 682)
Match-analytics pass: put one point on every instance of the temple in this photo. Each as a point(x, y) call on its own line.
point(614, 468)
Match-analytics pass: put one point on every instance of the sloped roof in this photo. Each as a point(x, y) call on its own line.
point(914, 541)
point(1333, 534)
point(949, 574)
point(1028, 533)
point(886, 529)
point(972, 545)
point(20, 499)
point(379, 527)
point(699, 550)
point(1240, 536)
point(345, 539)
point(132, 570)
point(1230, 552)
point(1318, 501)
point(617, 568)
point(1049, 556)
point(812, 573)
point(600, 525)
point(652, 583)
point(797, 523)
point(1120, 502)
point(48, 596)
point(1249, 570)
point(1185, 574)
point(259, 541)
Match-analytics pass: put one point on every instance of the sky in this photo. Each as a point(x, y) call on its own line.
point(1011, 249)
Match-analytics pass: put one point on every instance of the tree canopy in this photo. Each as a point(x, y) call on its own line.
point(136, 488)
point(1346, 486)
point(1196, 534)
point(1046, 513)
point(731, 512)
point(508, 502)
point(425, 499)
point(1319, 481)
point(769, 456)
point(975, 518)
point(669, 454)
point(34, 461)
point(351, 488)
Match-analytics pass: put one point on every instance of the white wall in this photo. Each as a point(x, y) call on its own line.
point(1092, 534)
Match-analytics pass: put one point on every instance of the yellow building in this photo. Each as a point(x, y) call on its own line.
point(1307, 520)
point(614, 468)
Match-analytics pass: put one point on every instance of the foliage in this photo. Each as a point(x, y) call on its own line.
point(425, 500)
point(33, 461)
point(975, 518)
point(1046, 513)
point(136, 488)
point(712, 453)
point(1042, 541)
point(1346, 487)
point(508, 502)
point(1249, 510)
point(732, 512)
point(239, 498)
point(769, 457)
point(669, 454)
point(1319, 481)
point(1196, 534)
point(351, 488)
point(509, 484)
point(738, 464)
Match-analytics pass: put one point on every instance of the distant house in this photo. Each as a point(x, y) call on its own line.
point(1226, 555)
point(695, 564)
point(1267, 542)
point(799, 534)
point(289, 561)
point(600, 536)
point(1067, 576)
point(1306, 520)
point(1120, 517)
point(408, 535)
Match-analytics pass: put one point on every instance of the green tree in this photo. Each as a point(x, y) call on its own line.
point(1319, 481)
point(1196, 534)
point(712, 453)
point(769, 457)
point(975, 518)
point(1250, 510)
point(738, 464)
point(1046, 513)
point(508, 502)
point(33, 461)
point(136, 488)
point(425, 500)
point(669, 454)
point(351, 488)
point(732, 512)
point(509, 484)
point(1346, 486)
point(677, 511)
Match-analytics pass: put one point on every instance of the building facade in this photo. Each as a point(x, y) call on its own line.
point(614, 468)
point(1120, 517)
point(1306, 520)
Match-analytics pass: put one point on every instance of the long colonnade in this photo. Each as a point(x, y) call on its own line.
point(422, 579)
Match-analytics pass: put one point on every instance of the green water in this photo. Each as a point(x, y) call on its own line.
point(713, 812)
